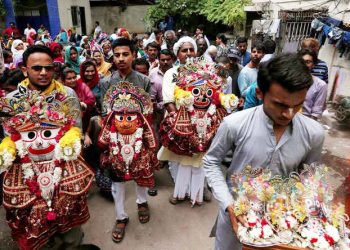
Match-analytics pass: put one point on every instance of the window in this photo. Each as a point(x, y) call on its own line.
point(75, 17)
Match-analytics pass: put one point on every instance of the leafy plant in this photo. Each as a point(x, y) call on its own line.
point(186, 9)
point(228, 12)
point(2, 8)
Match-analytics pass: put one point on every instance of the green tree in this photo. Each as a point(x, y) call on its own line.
point(228, 12)
point(2, 8)
point(186, 9)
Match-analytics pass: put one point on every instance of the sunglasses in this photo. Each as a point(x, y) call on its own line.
point(39, 68)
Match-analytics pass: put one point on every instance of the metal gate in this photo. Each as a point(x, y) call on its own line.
point(295, 27)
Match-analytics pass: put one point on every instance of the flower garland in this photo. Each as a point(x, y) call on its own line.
point(126, 151)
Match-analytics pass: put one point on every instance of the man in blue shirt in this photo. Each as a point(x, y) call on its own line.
point(242, 44)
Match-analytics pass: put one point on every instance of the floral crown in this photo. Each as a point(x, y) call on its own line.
point(197, 71)
point(124, 97)
point(29, 110)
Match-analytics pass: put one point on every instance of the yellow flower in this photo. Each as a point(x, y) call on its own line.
point(228, 101)
point(183, 97)
point(300, 186)
point(265, 194)
point(70, 137)
point(338, 212)
point(8, 145)
point(247, 188)
point(241, 206)
point(300, 212)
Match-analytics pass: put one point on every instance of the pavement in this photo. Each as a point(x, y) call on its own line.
point(181, 226)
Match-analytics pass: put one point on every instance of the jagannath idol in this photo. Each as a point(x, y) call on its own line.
point(46, 180)
point(129, 144)
point(186, 133)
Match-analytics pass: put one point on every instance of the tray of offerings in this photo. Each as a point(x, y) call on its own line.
point(294, 213)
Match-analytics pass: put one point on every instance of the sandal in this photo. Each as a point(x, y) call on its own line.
point(174, 200)
point(119, 232)
point(143, 212)
point(152, 192)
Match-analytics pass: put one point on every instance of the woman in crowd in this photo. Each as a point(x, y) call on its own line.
point(72, 58)
point(107, 51)
point(89, 76)
point(84, 93)
point(102, 66)
point(17, 48)
point(56, 49)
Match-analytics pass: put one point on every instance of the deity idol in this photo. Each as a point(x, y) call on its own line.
point(128, 135)
point(46, 180)
point(201, 106)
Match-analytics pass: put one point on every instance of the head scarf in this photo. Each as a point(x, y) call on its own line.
point(31, 37)
point(82, 78)
point(15, 43)
point(82, 40)
point(122, 32)
point(75, 65)
point(39, 43)
point(63, 36)
point(182, 40)
point(152, 38)
point(103, 69)
point(59, 58)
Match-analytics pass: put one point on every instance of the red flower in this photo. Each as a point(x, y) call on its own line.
point(51, 216)
point(33, 187)
point(15, 136)
point(59, 135)
point(216, 98)
point(25, 159)
point(251, 224)
point(263, 222)
point(313, 240)
point(262, 234)
point(288, 224)
point(329, 239)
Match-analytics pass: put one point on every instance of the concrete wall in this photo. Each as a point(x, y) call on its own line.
point(327, 53)
point(64, 7)
point(112, 16)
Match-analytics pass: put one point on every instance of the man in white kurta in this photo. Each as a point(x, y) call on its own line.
point(187, 171)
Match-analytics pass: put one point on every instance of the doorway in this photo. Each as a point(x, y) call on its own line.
point(82, 20)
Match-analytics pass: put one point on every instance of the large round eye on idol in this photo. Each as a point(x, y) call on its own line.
point(119, 118)
point(196, 91)
point(29, 135)
point(131, 118)
point(49, 133)
point(209, 92)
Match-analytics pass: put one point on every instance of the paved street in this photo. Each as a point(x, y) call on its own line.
point(174, 227)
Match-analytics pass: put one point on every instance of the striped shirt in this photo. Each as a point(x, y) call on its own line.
point(320, 70)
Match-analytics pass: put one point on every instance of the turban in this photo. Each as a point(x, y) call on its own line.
point(182, 40)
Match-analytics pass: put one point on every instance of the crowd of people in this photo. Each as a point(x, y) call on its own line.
point(91, 65)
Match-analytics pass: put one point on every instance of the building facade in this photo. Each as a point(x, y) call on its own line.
point(295, 19)
point(53, 14)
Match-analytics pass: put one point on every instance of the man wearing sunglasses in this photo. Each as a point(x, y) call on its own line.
point(39, 70)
